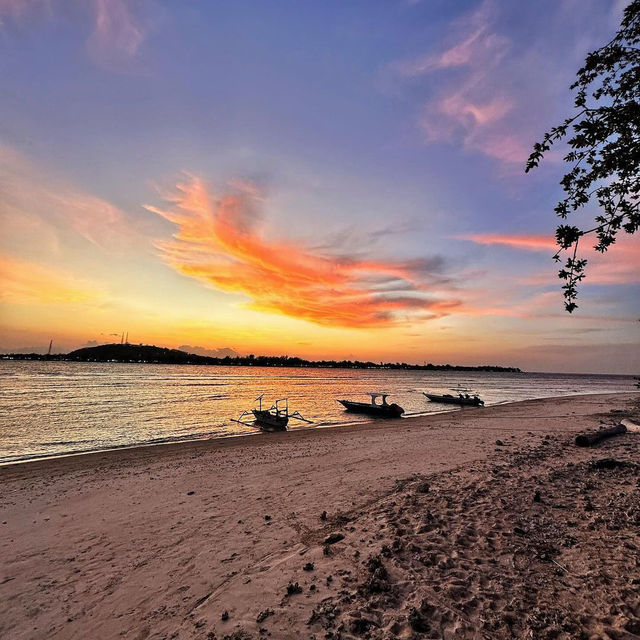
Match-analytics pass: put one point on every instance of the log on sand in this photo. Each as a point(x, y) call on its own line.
point(588, 439)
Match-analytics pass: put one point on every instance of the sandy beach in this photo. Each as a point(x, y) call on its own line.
point(482, 523)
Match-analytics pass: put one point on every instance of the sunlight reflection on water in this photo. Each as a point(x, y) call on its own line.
point(51, 408)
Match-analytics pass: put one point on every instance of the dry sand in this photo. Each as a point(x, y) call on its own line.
point(446, 533)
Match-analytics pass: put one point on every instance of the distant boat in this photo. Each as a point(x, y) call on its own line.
point(275, 418)
point(462, 400)
point(382, 410)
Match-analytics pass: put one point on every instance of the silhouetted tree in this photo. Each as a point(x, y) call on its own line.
point(605, 148)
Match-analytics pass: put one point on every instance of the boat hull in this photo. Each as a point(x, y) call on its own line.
point(267, 421)
point(449, 399)
point(376, 410)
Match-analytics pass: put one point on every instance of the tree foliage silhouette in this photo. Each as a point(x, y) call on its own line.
point(605, 149)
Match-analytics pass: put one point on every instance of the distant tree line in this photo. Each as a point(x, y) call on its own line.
point(130, 353)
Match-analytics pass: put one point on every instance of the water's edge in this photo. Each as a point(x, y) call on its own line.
point(257, 432)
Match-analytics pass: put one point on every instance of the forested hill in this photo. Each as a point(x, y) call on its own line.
point(159, 355)
point(137, 353)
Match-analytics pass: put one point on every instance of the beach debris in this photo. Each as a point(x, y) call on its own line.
point(378, 579)
point(230, 558)
point(293, 588)
point(263, 615)
point(499, 443)
point(323, 515)
point(418, 621)
point(537, 497)
point(632, 427)
point(361, 624)
point(607, 463)
point(332, 538)
point(190, 493)
point(267, 518)
point(224, 616)
point(325, 614)
point(588, 439)
point(308, 567)
point(423, 487)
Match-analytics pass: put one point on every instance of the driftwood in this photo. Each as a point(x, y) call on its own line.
point(587, 439)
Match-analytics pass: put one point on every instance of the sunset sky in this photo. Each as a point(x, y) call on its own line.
point(329, 179)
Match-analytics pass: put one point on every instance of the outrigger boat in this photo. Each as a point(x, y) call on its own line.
point(462, 400)
point(382, 410)
point(276, 418)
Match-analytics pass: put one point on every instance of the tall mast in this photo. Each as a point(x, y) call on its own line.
point(50, 345)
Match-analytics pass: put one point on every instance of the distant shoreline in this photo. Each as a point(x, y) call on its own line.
point(150, 354)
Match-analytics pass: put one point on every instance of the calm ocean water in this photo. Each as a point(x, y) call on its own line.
point(53, 408)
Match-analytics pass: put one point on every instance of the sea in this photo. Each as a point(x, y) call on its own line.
point(60, 408)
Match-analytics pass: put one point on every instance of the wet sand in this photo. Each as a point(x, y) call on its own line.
point(446, 534)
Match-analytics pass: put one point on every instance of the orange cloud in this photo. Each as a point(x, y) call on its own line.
point(219, 242)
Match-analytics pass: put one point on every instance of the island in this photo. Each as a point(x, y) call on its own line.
point(151, 354)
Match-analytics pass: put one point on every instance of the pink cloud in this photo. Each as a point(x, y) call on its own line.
point(117, 35)
point(506, 147)
point(619, 265)
point(458, 55)
point(468, 109)
point(471, 39)
point(528, 242)
point(117, 28)
point(39, 209)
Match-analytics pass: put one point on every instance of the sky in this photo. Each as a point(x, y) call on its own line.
point(335, 179)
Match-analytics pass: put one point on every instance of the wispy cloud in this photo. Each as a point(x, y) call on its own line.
point(25, 282)
point(528, 242)
point(219, 241)
point(619, 265)
point(117, 29)
point(472, 102)
point(117, 35)
point(470, 39)
point(37, 207)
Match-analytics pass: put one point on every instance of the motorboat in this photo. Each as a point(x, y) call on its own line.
point(463, 400)
point(380, 409)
